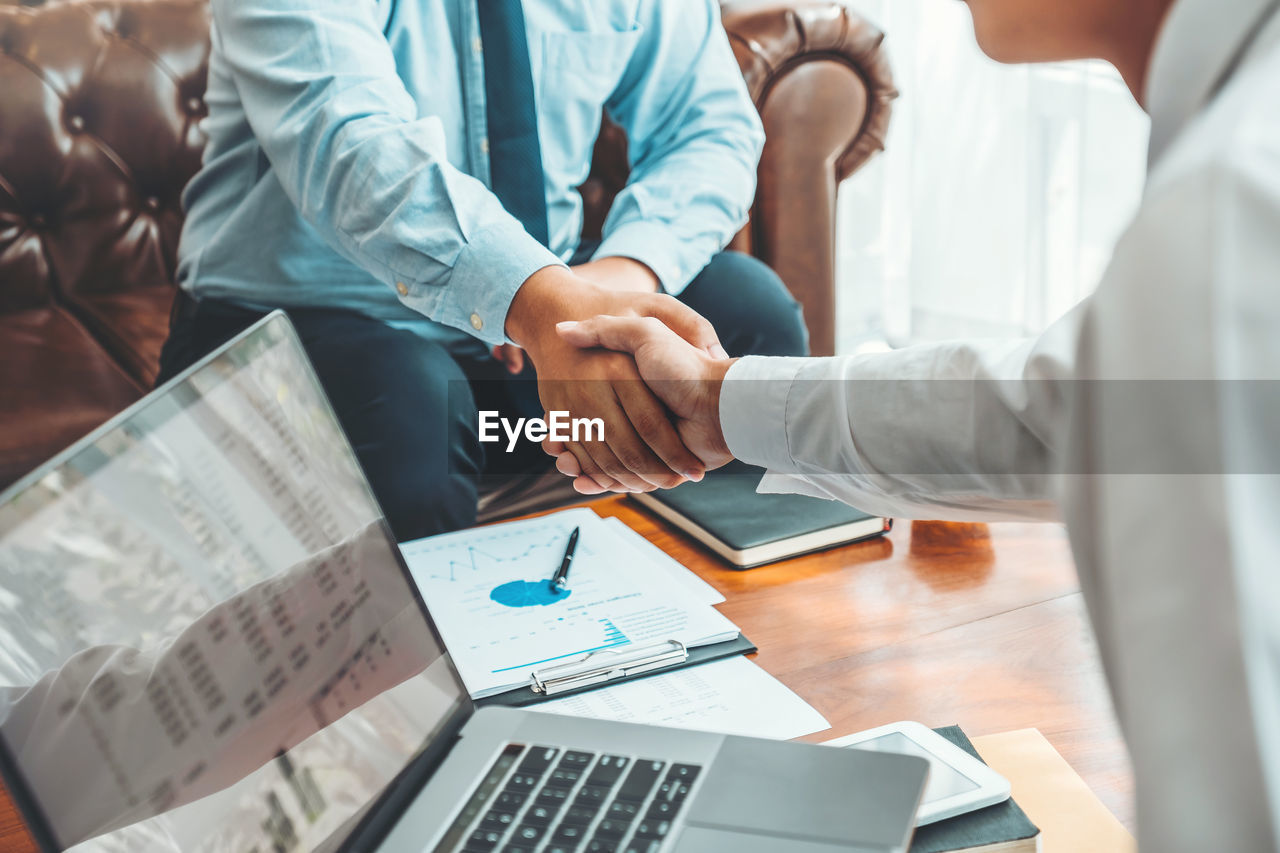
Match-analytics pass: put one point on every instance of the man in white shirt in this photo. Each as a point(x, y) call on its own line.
point(1169, 488)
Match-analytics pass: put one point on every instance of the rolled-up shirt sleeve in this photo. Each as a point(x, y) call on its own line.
point(318, 82)
point(695, 140)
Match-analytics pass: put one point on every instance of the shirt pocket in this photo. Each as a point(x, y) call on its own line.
point(580, 70)
point(600, 54)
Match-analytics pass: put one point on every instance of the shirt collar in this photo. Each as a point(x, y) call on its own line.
point(1198, 45)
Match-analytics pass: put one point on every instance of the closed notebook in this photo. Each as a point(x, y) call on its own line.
point(725, 513)
point(1002, 828)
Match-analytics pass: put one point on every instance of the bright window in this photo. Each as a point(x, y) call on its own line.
point(999, 197)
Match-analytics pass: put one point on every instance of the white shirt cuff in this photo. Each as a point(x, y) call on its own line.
point(753, 409)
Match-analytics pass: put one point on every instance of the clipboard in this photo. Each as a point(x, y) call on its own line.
point(609, 667)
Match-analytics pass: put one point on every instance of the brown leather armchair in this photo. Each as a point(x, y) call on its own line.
point(100, 104)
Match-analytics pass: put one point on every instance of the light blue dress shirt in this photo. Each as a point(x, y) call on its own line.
point(347, 159)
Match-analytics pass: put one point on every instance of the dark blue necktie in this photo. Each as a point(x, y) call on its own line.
point(515, 157)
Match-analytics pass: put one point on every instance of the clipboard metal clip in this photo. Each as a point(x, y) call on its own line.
point(607, 665)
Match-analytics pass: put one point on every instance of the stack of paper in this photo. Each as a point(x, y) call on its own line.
point(733, 696)
point(488, 591)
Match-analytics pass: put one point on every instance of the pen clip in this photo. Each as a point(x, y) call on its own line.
point(607, 665)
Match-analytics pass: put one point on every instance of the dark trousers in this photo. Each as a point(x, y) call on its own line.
point(409, 407)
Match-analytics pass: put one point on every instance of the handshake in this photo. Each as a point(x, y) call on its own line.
point(646, 365)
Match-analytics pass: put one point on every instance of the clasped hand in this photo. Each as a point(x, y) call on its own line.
point(644, 363)
point(686, 379)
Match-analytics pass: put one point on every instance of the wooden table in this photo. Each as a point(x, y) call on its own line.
point(969, 624)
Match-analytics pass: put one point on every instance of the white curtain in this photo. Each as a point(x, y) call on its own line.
point(999, 197)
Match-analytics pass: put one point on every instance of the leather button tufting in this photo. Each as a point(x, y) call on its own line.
point(38, 221)
point(76, 123)
point(153, 203)
point(195, 105)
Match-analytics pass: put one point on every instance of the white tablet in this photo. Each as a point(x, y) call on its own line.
point(958, 782)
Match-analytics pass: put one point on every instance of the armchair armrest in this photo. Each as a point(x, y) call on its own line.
point(821, 81)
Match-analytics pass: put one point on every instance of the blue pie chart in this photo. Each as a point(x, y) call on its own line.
point(528, 594)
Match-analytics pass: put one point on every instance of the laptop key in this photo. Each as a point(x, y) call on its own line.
point(479, 800)
point(538, 759)
point(540, 815)
point(684, 772)
point(482, 841)
point(640, 781)
point(527, 833)
point(590, 796)
point(613, 829)
point(510, 801)
point(497, 821)
point(522, 782)
point(519, 848)
point(580, 815)
point(568, 834)
point(608, 770)
point(643, 845)
point(601, 845)
point(564, 777)
point(553, 797)
point(661, 808)
point(580, 760)
point(624, 811)
point(673, 792)
point(653, 828)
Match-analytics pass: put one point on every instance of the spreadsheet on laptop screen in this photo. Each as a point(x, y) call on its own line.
point(206, 639)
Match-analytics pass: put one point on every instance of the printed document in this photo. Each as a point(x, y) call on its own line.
point(488, 591)
point(732, 696)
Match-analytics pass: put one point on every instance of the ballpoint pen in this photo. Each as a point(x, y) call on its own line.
point(561, 578)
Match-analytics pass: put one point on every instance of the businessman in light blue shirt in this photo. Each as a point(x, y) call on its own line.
point(400, 176)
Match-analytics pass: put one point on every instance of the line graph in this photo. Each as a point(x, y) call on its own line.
point(475, 558)
point(613, 637)
point(488, 592)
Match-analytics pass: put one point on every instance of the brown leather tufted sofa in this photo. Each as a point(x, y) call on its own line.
point(100, 104)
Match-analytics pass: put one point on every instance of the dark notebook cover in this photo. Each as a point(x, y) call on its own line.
point(726, 505)
point(1001, 823)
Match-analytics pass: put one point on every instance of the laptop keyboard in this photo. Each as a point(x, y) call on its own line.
point(542, 799)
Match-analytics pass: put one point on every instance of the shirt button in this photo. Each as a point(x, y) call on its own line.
point(484, 145)
point(402, 288)
point(477, 45)
point(476, 322)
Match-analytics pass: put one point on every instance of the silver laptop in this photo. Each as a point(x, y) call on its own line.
point(209, 642)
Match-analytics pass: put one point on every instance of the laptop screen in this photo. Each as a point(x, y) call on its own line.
point(207, 638)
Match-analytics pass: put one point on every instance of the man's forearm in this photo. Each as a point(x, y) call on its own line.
point(627, 275)
point(545, 298)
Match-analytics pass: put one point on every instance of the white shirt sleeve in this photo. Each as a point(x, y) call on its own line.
point(1151, 414)
point(1178, 551)
point(957, 430)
